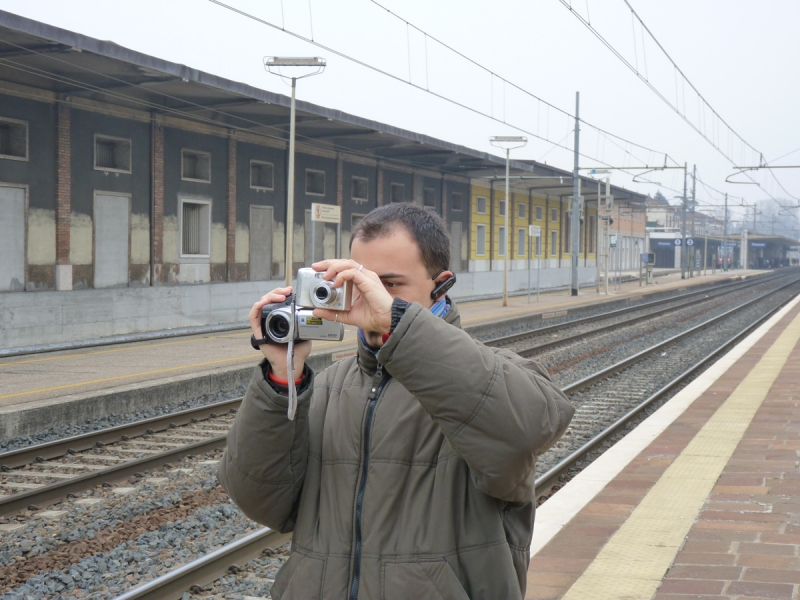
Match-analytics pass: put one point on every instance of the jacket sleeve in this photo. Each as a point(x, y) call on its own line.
point(264, 464)
point(497, 410)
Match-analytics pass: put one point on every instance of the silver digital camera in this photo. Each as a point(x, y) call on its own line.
point(313, 291)
point(279, 319)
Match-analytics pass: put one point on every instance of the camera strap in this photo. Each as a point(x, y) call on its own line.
point(292, 391)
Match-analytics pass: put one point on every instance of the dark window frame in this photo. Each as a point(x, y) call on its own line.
point(199, 153)
point(453, 196)
point(18, 122)
point(360, 179)
point(393, 186)
point(324, 181)
point(262, 187)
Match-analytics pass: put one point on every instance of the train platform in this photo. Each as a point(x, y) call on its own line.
point(61, 387)
point(701, 500)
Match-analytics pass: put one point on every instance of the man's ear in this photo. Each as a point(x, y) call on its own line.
point(444, 281)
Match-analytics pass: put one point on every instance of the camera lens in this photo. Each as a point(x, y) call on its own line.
point(322, 293)
point(278, 327)
point(325, 295)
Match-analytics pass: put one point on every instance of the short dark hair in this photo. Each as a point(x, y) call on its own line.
point(424, 227)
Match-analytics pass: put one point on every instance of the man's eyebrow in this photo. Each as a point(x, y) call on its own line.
point(391, 276)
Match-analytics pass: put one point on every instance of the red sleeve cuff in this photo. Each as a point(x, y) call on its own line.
point(280, 381)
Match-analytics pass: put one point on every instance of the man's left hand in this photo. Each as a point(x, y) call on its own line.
point(371, 306)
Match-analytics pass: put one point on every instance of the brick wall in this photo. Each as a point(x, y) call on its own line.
point(230, 250)
point(63, 184)
point(158, 276)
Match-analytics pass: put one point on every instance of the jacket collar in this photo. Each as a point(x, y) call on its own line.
point(367, 360)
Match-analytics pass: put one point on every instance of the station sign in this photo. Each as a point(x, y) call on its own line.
point(662, 244)
point(326, 213)
point(689, 242)
point(612, 241)
point(758, 244)
point(534, 231)
point(678, 242)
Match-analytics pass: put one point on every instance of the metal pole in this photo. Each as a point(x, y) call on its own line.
point(313, 240)
point(683, 226)
point(530, 250)
point(505, 249)
point(290, 193)
point(576, 192)
point(694, 249)
point(538, 263)
point(705, 251)
point(606, 232)
point(339, 238)
point(597, 237)
point(725, 237)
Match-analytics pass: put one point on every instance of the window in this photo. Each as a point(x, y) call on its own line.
point(501, 208)
point(13, 139)
point(501, 242)
point(397, 192)
point(538, 246)
point(522, 240)
point(480, 245)
point(567, 237)
point(429, 197)
point(355, 220)
point(553, 243)
point(592, 229)
point(521, 211)
point(481, 205)
point(112, 154)
point(195, 228)
point(456, 201)
point(539, 213)
point(315, 182)
point(554, 215)
point(262, 175)
point(359, 190)
point(196, 166)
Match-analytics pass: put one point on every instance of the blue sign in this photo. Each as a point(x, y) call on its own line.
point(678, 241)
point(758, 244)
point(689, 242)
point(667, 244)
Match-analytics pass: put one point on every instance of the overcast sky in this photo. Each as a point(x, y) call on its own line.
point(741, 55)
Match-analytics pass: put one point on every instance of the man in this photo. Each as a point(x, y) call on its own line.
point(408, 471)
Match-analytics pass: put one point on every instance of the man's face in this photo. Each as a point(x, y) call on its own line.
point(396, 259)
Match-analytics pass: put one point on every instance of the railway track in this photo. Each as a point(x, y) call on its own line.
point(164, 439)
point(606, 402)
point(36, 476)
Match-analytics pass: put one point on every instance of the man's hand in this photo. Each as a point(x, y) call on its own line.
point(371, 308)
point(276, 353)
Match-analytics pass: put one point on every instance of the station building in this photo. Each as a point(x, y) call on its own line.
point(122, 170)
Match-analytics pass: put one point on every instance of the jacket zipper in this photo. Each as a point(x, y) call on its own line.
point(378, 384)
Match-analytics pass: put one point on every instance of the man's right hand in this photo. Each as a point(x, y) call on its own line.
point(276, 353)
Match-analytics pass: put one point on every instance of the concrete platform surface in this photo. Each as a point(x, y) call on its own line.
point(700, 501)
point(192, 365)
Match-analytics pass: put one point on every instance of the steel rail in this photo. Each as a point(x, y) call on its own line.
point(722, 288)
point(626, 362)
point(210, 567)
point(86, 441)
point(551, 477)
point(207, 568)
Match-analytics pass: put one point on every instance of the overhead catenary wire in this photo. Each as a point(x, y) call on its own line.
point(441, 96)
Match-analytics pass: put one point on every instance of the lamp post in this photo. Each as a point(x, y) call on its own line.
point(276, 62)
point(507, 142)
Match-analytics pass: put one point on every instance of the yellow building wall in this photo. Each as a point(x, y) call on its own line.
point(477, 218)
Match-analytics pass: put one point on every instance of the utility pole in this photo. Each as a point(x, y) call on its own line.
point(694, 242)
point(683, 226)
point(754, 217)
point(725, 237)
point(576, 191)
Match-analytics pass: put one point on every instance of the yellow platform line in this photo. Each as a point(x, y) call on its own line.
point(634, 561)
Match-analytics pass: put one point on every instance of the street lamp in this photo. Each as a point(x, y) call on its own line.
point(276, 62)
point(507, 142)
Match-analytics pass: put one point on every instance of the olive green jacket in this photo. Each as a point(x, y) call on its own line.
point(422, 488)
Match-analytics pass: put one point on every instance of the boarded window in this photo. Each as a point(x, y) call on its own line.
point(112, 154)
point(538, 246)
point(429, 197)
point(262, 175)
point(481, 205)
point(501, 208)
point(195, 228)
point(196, 166)
point(521, 211)
point(567, 237)
point(13, 139)
point(456, 201)
point(315, 182)
point(553, 243)
point(480, 246)
point(397, 192)
point(522, 241)
point(539, 213)
point(501, 241)
point(360, 189)
point(554, 215)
